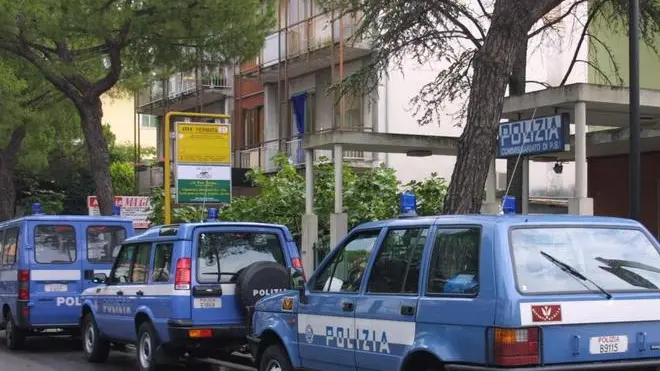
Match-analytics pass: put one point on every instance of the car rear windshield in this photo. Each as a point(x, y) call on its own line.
point(103, 243)
point(616, 259)
point(55, 244)
point(222, 255)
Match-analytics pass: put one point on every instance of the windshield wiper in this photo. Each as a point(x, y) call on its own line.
point(573, 272)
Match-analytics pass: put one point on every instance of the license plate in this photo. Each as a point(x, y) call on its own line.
point(207, 303)
point(608, 344)
point(56, 287)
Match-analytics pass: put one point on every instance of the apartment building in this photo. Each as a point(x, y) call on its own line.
point(119, 113)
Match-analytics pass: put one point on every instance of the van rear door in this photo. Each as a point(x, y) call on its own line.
point(590, 290)
point(55, 275)
point(102, 244)
point(219, 256)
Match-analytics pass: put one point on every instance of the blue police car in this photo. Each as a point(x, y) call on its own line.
point(475, 292)
point(187, 290)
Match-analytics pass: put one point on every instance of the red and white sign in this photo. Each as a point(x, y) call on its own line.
point(136, 208)
point(546, 313)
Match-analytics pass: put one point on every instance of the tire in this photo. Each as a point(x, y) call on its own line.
point(146, 348)
point(275, 358)
point(96, 348)
point(14, 336)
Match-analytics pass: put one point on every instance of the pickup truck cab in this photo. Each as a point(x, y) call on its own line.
point(475, 292)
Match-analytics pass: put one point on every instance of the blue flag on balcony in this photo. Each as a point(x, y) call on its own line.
point(298, 102)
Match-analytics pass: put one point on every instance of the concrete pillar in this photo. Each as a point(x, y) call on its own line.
point(492, 206)
point(338, 220)
point(310, 221)
point(581, 204)
point(525, 185)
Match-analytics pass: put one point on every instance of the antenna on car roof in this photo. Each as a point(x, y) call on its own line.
point(510, 200)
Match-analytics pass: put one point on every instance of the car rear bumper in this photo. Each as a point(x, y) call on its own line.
point(615, 365)
point(223, 335)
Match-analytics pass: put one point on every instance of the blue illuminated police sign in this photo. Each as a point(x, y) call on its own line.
point(532, 137)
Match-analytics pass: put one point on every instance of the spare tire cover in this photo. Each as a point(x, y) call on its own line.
point(260, 279)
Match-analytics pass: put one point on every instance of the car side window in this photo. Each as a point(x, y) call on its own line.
point(160, 271)
point(121, 271)
point(454, 266)
point(10, 246)
point(398, 264)
point(344, 272)
point(140, 268)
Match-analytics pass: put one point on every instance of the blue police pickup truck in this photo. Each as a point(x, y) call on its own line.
point(531, 292)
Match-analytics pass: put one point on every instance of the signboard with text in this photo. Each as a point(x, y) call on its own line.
point(548, 134)
point(203, 163)
point(136, 208)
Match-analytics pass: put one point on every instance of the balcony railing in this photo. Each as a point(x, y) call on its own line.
point(261, 156)
point(184, 83)
point(311, 34)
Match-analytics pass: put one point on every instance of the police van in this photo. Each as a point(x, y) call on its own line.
point(481, 292)
point(46, 261)
point(187, 291)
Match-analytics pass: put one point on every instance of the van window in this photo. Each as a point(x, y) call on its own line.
point(103, 243)
point(221, 255)
point(55, 244)
point(10, 246)
point(616, 259)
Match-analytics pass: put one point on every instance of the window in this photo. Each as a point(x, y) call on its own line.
point(344, 272)
point(396, 269)
point(353, 117)
point(454, 266)
point(103, 243)
point(222, 255)
point(10, 246)
point(253, 122)
point(162, 263)
point(55, 244)
point(617, 259)
point(121, 271)
point(149, 121)
point(140, 269)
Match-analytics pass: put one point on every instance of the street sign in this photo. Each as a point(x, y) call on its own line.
point(136, 208)
point(548, 134)
point(203, 184)
point(203, 143)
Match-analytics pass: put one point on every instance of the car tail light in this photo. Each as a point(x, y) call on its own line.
point(23, 284)
point(200, 333)
point(182, 274)
point(516, 347)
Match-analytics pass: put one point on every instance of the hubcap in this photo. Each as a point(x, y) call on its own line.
point(145, 351)
point(273, 365)
point(89, 338)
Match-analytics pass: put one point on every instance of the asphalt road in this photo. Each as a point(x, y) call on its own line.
point(61, 353)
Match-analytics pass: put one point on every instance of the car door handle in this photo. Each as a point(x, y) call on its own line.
point(120, 293)
point(347, 306)
point(407, 310)
point(140, 293)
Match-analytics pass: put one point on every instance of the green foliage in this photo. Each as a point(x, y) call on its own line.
point(430, 194)
point(123, 178)
point(180, 214)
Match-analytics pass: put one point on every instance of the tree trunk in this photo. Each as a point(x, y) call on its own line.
point(8, 160)
point(91, 112)
point(517, 84)
point(478, 143)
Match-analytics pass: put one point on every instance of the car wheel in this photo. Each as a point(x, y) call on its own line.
point(146, 348)
point(95, 347)
point(275, 358)
point(14, 336)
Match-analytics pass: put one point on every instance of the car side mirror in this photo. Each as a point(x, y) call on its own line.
point(99, 278)
point(298, 284)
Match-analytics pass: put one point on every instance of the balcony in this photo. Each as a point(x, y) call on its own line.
point(261, 157)
point(306, 46)
point(179, 91)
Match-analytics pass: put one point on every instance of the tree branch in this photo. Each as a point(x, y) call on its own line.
point(114, 53)
point(483, 9)
point(583, 35)
point(544, 84)
point(610, 55)
point(556, 20)
point(10, 154)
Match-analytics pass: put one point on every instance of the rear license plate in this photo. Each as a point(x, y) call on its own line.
point(207, 303)
point(608, 344)
point(56, 287)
